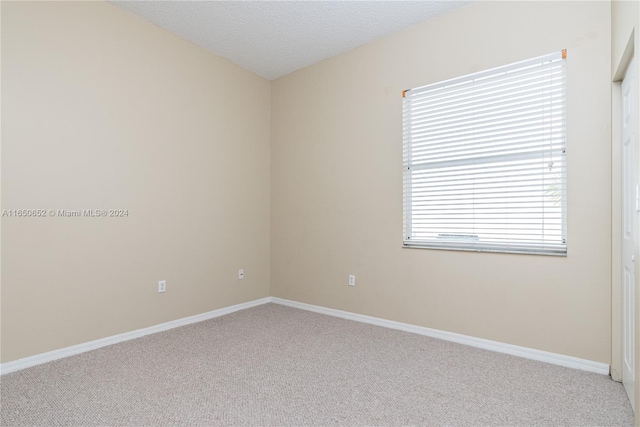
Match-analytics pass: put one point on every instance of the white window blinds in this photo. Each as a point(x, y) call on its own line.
point(485, 160)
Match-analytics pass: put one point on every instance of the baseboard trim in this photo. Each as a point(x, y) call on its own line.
point(49, 356)
point(514, 350)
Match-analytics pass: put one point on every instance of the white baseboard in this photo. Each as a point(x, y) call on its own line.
point(49, 356)
point(525, 352)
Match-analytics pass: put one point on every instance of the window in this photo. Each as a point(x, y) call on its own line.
point(485, 160)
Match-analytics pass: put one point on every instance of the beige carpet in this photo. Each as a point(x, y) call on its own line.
point(274, 365)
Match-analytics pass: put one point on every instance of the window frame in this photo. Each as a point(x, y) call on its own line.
point(471, 242)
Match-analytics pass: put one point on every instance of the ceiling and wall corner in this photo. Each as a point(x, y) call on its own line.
point(275, 38)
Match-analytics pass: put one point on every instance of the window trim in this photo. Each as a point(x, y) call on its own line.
point(553, 248)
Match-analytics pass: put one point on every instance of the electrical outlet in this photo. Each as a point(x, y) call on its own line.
point(162, 286)
point(241, 274)
point(352, 280)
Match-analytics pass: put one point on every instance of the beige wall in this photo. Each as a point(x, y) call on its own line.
point(336, 173)
point(624, 19)
point(625, 44)
point(104, 110)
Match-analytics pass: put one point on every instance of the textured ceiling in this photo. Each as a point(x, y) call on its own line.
point(274, 38)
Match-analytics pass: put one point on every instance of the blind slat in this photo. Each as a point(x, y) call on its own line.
point(484, 160)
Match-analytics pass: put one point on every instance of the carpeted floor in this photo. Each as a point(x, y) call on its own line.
point(275, 365)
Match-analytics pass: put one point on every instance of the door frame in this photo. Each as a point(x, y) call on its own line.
point(616, 232)
point(616, 217)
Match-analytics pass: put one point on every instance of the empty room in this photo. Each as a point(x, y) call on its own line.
point(320, 213)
